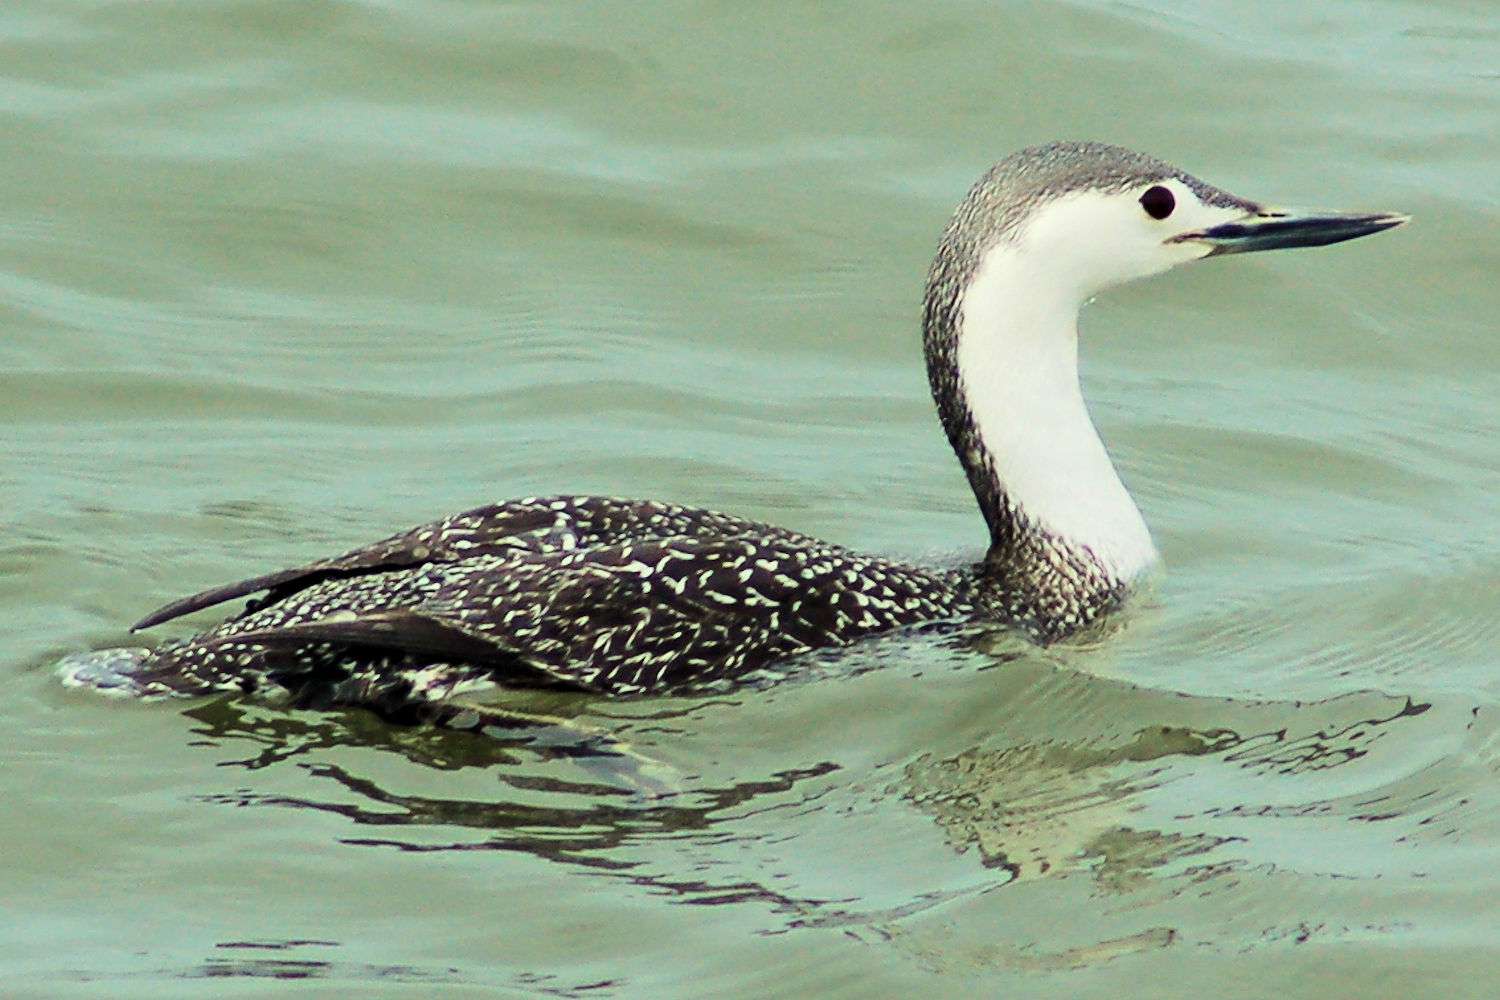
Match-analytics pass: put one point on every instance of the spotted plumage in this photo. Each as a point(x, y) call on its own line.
point(597, 593)
point(625, 597)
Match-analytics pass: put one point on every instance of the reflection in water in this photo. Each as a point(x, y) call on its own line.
point(997, 955)
point(1030, 809)
point(1179, 798)
point(297, 959)
point(608, 817)
point(1038, 808)
point(284, 960)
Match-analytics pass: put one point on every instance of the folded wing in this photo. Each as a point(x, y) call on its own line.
point(533, 525)
point(619, 618)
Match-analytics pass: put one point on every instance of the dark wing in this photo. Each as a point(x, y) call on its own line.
point(535, 524)
point(619, 618)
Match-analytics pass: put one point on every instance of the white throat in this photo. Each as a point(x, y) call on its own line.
point(1018, 367)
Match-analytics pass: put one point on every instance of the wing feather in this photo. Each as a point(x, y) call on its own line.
point(620, 618)
point(545, 524)
point(403, 630)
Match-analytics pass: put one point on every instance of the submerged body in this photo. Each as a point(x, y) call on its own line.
point(625, 597)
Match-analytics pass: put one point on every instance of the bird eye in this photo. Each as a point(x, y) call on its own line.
point(1158, 202)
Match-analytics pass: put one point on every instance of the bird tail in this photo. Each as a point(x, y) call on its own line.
point(137, 672)
point(120, 672)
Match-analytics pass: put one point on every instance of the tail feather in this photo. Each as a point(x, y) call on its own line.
point(312, 675)
point(121, 673)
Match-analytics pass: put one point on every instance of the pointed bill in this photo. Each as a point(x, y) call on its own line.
point(1273, 229)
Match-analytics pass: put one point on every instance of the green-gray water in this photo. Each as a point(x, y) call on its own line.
point(277, 278)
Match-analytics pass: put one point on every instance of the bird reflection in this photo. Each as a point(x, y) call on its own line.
point(1033, 809)
point(1125, 807)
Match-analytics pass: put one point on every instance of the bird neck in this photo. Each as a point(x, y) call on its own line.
point(1002, 358)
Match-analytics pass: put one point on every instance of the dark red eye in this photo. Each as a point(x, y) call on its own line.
point(1158, 202)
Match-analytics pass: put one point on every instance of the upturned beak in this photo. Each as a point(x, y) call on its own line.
point(1272, 229)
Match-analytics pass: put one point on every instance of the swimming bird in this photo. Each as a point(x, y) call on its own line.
point(627, 597)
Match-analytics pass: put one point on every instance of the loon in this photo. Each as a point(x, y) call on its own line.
point(628, 597)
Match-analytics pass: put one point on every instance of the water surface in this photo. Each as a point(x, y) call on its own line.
point(277, 279)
